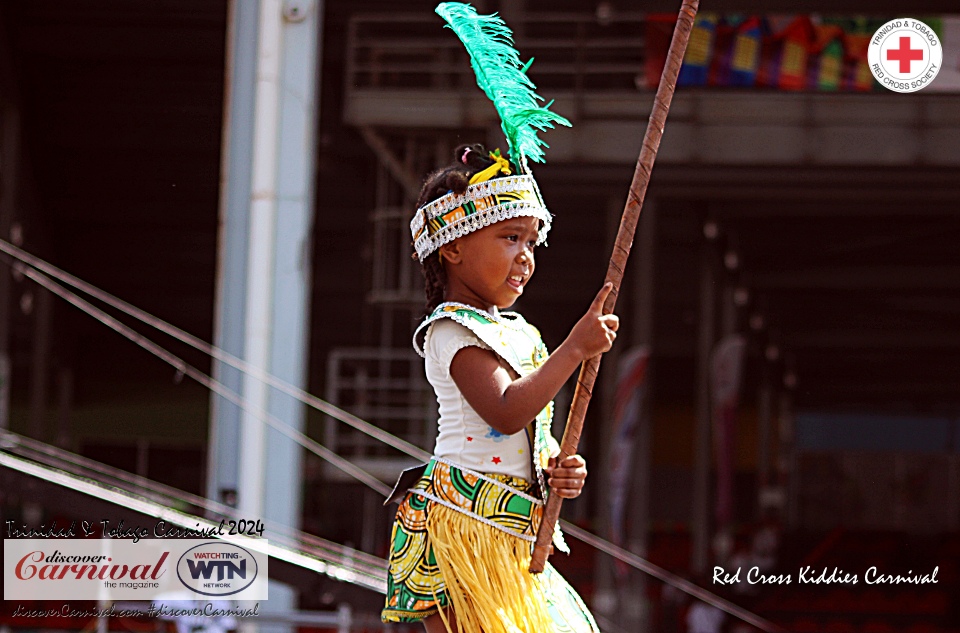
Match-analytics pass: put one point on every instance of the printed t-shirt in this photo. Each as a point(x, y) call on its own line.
point(463, 437)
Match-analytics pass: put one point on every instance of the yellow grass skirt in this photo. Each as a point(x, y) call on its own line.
point(452, 551)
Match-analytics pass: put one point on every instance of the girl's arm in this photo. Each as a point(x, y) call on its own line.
point(508, 405)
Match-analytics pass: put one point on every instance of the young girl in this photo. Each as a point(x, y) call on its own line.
point(462, 540)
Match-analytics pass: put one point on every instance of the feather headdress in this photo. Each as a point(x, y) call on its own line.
point(503, 77)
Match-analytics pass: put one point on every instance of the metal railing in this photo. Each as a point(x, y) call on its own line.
point(151, 498)
point(382, 384)
point(573, 52)
point(396, 278)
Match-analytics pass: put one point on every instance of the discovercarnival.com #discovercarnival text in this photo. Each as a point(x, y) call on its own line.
point(153, 611)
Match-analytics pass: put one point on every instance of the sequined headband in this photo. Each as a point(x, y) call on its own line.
point(482, 204)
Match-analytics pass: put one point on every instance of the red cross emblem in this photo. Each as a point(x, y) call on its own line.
point(895, 47)
point(905, 54)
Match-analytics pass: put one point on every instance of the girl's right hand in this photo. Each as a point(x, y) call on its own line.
point(595, 332)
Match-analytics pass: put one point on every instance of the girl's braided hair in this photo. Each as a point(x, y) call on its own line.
point(468, 160)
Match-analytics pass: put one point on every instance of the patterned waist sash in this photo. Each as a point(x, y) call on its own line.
point(461, 564)
point(500, 501)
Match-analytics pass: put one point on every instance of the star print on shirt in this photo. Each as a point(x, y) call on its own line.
point(495, 460)
point(495, 435)
point(469, 439)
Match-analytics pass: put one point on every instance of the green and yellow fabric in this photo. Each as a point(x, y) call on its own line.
point(463, 540)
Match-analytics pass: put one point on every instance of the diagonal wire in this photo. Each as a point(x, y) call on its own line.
point(669, 578)
point(369, 577)
point(217, 387)
point(215, 352)
point(161, 493)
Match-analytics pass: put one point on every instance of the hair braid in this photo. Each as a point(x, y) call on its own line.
point(435, 281)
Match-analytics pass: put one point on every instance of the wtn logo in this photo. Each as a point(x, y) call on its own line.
point(224, 568)
point(217, 569)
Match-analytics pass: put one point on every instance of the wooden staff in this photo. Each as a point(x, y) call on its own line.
point(618, 261)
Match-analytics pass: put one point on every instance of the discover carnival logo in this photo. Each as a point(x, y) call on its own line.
point(905, 55)
point(217, 568)
point(59, 566)
point(106, 569)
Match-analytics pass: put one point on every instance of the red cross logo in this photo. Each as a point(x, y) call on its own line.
point(905, 54)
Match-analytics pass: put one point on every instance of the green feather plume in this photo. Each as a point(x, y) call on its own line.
point(503, 77)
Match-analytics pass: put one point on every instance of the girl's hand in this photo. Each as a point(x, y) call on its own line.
point(595, 332)
point(568, 478)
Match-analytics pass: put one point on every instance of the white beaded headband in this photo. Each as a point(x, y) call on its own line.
point(482, 204)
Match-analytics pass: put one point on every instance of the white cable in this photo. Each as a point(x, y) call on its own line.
point(671, 579)
point(156, 510)
point(183, 368)
point(83, 467)
point(215, 352)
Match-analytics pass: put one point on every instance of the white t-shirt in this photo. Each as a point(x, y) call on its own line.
point(463, 436)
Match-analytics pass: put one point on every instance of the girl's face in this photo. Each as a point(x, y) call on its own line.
point(491, 266)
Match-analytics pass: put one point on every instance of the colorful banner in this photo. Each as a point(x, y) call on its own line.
point(745, 53)
point(699, 55)
point(627, 414)
point(784, 52)
point(726, 370)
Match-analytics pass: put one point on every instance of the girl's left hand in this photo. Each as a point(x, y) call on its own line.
point(568, 478)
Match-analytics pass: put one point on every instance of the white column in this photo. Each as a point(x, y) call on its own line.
point(264, 277)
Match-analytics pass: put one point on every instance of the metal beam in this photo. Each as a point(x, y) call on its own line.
point(9, 186)
point(858, 277)
point(796, 190)
point(10, 128)
point(845, 338)
point(839, 7)
point(396, 167)
point(892, 389)
point(700, 512)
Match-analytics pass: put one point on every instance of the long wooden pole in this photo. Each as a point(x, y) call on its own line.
point(618, 261)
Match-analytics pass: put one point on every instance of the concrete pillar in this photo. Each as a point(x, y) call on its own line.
point(292, 258)
point(263, 285)
point(230, 318)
